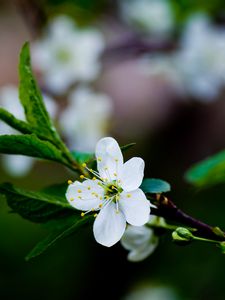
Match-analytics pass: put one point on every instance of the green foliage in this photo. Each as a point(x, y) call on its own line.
point(63, 228)
point(127, 147)
point(155, 186)
point(30, 145)
point(9, 119)
point(82, 157)
point(31, 98)
point(48, 207)
point(36, 206)
point(208, 172)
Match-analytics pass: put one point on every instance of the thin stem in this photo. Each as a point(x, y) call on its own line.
point(167, 209)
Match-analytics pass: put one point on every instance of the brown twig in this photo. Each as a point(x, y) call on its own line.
point(167, 209)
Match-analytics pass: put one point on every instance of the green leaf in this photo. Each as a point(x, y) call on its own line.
point(126, 147)
point(30, 145)
point(70, 226)
point(36, 206)
point(9, 119)
point(83, 157)
point(208, 172)
point(31, 98)
point(155, 186)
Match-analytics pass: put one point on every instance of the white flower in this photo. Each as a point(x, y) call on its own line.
point(114, 192)
point(140, 241)
point(85, 119)
point(154, 16)
point(18, 165)
point(67, 54)
point(145, 291)
point(201, 58)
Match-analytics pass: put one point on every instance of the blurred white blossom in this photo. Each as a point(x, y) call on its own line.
point(140, 241)
point(67, 54)
point(201, 58)
point(153, 16)
point(151, 292)
point(86, 118)
point(18, 165)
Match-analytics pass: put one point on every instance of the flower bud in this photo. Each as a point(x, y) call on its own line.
point(182, 236)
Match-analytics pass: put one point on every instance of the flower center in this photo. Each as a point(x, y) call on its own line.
point(112, 189)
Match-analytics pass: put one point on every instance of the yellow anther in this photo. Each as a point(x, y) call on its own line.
point(115, 174)
point(82, 214)
point(117, 211)
point(107, 197)
point(91, 170)
point(100, 205)
point(93, 193)
point(79, 197)
point(99, 159)
point(128, 195)
point(95, 215)
point(82, 176)
point(84, 165)
point(92, 209)
point(94, 178)
point(116, 159)
point(106, 168)
point(69, 181)
point(113, 187)
point(100, 198)
point(71, 199)
point(89, 188)
point(119, 181)
point(79, 191)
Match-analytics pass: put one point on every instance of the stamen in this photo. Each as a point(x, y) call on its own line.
point(82, 214)
point(79, 191)
point(95, 215)
point(69, 181)
point(128, 195)
point(71, 199)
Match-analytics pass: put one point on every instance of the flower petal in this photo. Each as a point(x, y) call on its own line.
point(86, 195)
point(135, 207)
point(144, 251)
point(109, 158)
point(109, 226)
point(132, 174)
point(141, 242)
point(135, 236)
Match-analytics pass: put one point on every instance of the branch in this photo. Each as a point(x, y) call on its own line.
point(167, 209)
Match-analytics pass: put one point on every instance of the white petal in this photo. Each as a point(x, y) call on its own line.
point(109, 158)
point(143, 252)
point(132, 174)
point(109, 226)
point(135, 207)
point(86, 195)
point(135, 236)
point(141, 242)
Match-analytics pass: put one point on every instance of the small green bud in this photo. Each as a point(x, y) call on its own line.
point(218, 232)
point(182, 236)
point(222, 247)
